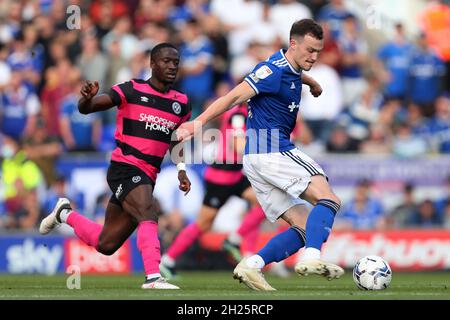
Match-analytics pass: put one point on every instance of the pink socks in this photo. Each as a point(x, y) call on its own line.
point(148, 245)
point(254, 217)
point(249, 229)
point(184, 240)
point(87, 230)
point(147, 239)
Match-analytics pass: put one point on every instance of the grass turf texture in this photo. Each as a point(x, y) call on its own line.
point(221, 286)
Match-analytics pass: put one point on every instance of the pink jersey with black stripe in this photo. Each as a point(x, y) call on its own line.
point(227, 169)
point(145, 121)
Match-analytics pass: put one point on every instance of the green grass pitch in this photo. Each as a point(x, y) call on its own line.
point(221, 286)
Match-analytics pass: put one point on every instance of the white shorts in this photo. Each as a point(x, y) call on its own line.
point(279, 178)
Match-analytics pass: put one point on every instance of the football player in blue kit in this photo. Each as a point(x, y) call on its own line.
point(279, 172)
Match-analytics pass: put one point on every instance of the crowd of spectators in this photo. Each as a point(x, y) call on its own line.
point(366, 211)
point(391, 100)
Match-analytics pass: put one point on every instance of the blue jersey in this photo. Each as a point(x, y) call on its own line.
point(396, 58)
point(81, 126)
point(425, 71)
point(365, 218)
point(272, 112)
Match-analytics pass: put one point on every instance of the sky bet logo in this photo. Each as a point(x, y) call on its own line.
point(30, 256)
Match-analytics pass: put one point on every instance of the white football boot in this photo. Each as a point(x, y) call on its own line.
point(251, 277)
point(158, 283)
point(53, 220)
point(319, 267)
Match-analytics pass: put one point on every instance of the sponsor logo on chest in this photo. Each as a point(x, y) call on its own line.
point(158, 123)
point(293, 106)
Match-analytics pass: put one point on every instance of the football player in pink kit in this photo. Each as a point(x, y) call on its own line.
point(224, 178)
point(148, 113)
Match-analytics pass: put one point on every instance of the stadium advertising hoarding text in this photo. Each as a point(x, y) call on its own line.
point(409, 250)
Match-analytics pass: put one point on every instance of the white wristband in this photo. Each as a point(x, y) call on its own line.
point(181, 166)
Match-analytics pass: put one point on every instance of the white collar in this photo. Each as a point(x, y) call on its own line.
point(290, 66)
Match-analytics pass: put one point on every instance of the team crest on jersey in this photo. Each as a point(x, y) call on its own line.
point(176, 107)
point(136, 179)
point(263, 72)
point(214, 201)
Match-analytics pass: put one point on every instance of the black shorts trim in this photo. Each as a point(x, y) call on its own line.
point(217, 194)
point(122, 178)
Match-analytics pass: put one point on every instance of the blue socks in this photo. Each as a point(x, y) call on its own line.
point(283, 245)
point(318, 228)
point(319, 223)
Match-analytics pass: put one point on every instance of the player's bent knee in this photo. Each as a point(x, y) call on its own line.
point(335, 199)
point(328, 196)
point(107, 248)
point(146, 213)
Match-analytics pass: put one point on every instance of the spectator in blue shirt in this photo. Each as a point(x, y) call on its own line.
point(446, 215)
point(437, 129)
point(19, 107)
point(190, 9)
point(354, 50)
point(196, 65)
point(334, 14)
point(405, 144)
point(36, 49)
point(442, 202)
point(398, 218)
point(59, 189)
point(79, 132)
point(363, 113)
point(426, 217)
point(363, 211)
point(395, 58)
point(20, 58)
point(426, 72)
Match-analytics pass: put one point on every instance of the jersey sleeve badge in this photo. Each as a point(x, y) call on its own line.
point(260, 74)
point(263, 72)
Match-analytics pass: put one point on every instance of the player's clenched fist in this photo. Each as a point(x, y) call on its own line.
point(316, 90)
point(89, 89)
point(185, 184)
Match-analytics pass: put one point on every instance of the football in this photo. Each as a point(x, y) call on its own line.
point(372, 273)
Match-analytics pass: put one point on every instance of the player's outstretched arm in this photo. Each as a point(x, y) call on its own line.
point(89, 102)
point(314, 86)
point(241, 93)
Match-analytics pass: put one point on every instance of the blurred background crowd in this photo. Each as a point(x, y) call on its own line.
point(385, 80)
